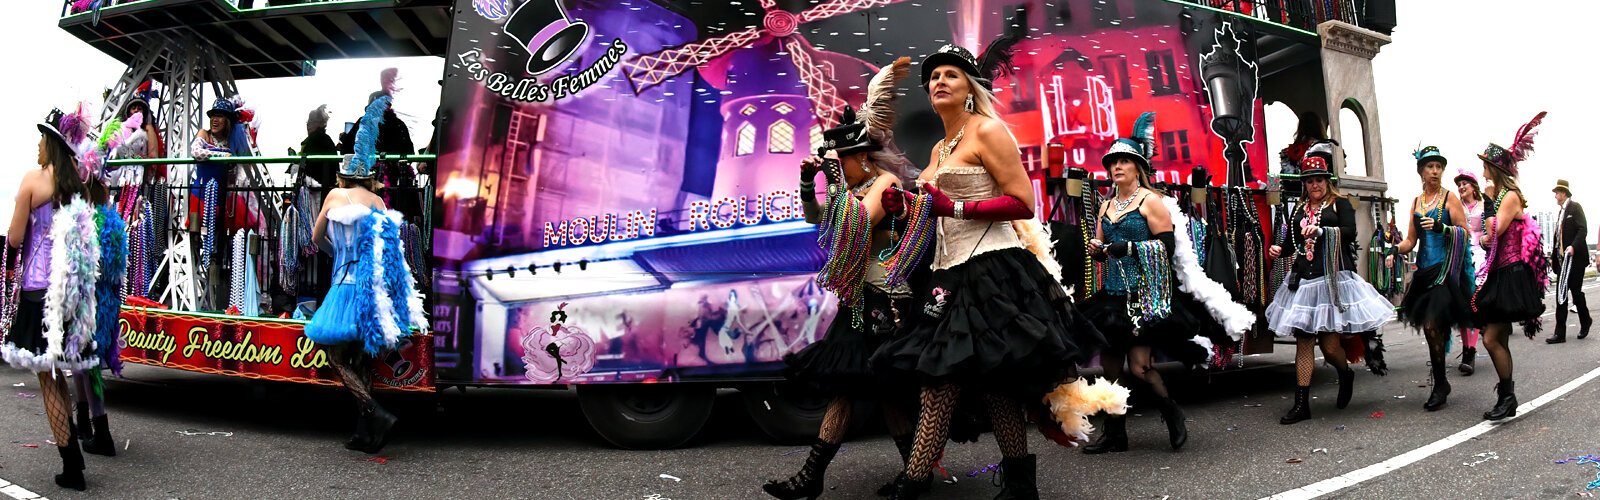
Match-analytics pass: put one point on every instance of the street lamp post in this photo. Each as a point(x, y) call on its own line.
point(1231, 85)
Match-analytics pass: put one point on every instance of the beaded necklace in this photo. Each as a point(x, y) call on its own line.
point(1494, 246)
point(1313, 219)
point(208, 239)
point(10, 288)
point(950, 145)
point(846, 235)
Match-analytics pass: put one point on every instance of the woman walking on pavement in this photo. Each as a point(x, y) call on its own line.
point(1471, 192)
point(1000, 322)
point(1513, 284)
point(1323, 301)
point(53, 325)
point(1439, 294)
point(862, 162)
point(364, 313)
point(1147, 303)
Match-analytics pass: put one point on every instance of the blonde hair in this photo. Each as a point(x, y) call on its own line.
point(982, 98)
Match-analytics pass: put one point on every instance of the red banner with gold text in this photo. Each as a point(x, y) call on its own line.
point(258, 348)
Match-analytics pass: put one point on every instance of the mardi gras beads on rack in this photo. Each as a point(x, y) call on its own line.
point(1088, 224)
point(236, 280)
point(1155, 266)
point(919, 228)
point(289, 256)
point(845, 233)
point(208, 238)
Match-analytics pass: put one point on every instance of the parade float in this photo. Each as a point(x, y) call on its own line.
point(611, 205)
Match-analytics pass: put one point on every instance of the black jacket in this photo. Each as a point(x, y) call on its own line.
point(1339, 215)
point(1574, 232)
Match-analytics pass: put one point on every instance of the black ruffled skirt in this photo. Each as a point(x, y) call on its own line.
point(1172, 336)
point(1509, 294)
point(841, 362)
point(998, 323)
point(1441, 307)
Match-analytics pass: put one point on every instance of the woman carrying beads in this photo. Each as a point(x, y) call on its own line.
point(1437, 299)
point(861, 162)
point(1323, 300)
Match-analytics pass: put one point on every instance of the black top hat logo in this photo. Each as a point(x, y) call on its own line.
point(542, 27)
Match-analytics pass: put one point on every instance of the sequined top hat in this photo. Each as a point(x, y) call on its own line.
point(541, 27)
point(1139, 146)
point(1426, 154)
point(1315, 166)
point(953, 55)
point(1506, 160)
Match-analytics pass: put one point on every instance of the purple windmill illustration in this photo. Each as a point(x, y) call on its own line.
point(648, 70)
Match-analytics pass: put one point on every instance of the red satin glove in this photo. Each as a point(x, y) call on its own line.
point(999, 209)
point(893, 201)
point(943, 206)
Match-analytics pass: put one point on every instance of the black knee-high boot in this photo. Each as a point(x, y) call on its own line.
point(71, 475)
point(903, 445)
point(1021, 478)
point(808, 482)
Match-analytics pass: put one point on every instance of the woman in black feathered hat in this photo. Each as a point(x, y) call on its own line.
point(860, 161)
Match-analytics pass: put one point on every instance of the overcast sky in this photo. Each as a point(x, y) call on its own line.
point(1459, 74)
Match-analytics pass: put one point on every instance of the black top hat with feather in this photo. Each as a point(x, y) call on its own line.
point(872, 128)
point(993, 63)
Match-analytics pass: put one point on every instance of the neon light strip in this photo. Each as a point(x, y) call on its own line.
point(628, 248)
point(263, 159)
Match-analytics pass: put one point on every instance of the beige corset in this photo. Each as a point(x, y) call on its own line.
point(960, 239)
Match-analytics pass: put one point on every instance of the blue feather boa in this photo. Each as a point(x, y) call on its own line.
point(366, 147)
point(108, 288)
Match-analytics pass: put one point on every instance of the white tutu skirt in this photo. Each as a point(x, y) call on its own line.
point(1310, 308)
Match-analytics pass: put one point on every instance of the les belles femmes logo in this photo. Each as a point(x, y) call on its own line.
point(543, 29)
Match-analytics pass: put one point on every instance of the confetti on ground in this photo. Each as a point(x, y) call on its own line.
point(1591, 460)
point(19, 384)
point(983, 470)
point(671, 477)
point(27, 395)
point(1293, 461)
point(1377, 414)
point(1257, 405)
point(1320, 450)
point(1400, 397)
point(379, 460)
point(30, 445)
point(1339, 428)
point(204, 433)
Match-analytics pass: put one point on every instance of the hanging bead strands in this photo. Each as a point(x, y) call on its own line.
point(1455, 259)
point(10, 288)
point(208, 239)
point(1149, 287)
point(1089, 202)
point(289, 257)
point(919, 229)
point(845, 233)
point(1494, 245)
point(1330, 265)
point(236, 280)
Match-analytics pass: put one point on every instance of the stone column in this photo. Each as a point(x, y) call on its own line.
point(1347, 52)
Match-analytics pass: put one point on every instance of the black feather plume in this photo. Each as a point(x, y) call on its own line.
point(996, 58)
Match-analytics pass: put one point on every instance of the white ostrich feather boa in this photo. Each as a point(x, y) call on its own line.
point(1235, 318)
point(74, 268)
point(1036, 239)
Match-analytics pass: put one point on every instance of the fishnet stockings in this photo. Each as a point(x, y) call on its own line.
point(836, 421)
point(1305, 357)
point(1495, 337)
point(1009, 431)
point(57, 405)
point(351, 363)
point(933, 429)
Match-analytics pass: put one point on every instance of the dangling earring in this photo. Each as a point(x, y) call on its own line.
point(863, 162)
point(969, 103)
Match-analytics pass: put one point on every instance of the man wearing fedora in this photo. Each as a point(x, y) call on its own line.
point(1570, 254)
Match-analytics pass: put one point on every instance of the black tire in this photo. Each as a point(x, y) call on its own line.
point(787, 413)
point(647, 417)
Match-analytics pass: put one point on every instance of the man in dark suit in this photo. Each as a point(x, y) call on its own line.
point(1570, 254)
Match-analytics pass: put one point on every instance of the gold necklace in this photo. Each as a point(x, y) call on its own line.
point(950, 145)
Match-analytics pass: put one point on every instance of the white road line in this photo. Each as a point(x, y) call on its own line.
point(1363, 474)
point(16, 491)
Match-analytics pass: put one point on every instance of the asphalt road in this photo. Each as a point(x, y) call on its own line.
point(193, 436)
